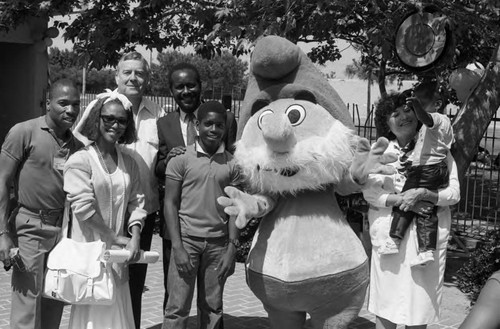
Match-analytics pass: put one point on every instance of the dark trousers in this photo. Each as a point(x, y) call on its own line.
point(137, 272)
point(205, 255)
point(167, 250)
point(431, 177)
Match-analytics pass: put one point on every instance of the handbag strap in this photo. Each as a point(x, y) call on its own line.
point(67, 220)
point(70, 221)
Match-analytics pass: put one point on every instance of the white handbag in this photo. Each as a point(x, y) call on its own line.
point(76, 275)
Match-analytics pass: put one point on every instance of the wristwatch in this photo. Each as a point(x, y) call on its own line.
point(235, 242)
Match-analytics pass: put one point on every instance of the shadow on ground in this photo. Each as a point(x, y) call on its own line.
point(255, 322)
point(361, 323)
point(454, 261)
point(231, 322)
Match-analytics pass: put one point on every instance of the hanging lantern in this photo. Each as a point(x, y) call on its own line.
point(424, 39)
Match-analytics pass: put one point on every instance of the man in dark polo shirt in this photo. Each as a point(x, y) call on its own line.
point(32, 157)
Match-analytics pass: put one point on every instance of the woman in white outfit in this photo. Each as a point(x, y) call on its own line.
point(103, 189)
point(399, 293)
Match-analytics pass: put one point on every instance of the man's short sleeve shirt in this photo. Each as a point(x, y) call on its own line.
point(40, 157)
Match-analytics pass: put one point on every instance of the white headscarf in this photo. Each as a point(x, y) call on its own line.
point(108, 95)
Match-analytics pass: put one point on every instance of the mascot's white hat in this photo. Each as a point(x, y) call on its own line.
point(280, 69)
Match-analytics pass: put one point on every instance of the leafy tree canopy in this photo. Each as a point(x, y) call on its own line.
point(104, 28)
point(67, 64)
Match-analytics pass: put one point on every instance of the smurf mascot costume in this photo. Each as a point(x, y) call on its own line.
point(296, 149)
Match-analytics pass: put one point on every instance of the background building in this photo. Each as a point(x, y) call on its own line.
point(23, 72)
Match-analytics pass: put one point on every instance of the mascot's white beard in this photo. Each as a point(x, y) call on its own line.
point(313, 163)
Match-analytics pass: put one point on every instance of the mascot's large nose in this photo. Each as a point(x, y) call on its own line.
point(278, 133)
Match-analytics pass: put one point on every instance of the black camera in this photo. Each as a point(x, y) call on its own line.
point(14, 260)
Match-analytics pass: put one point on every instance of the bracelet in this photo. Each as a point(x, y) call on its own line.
point(2, 232)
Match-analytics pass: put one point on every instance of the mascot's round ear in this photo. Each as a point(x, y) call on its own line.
point(258, 104)
point(305, 95)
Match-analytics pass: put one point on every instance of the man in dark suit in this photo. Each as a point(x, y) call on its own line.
point(177, 129)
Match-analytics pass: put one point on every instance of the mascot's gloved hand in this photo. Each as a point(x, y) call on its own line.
point(371, 160)
point(244, 206)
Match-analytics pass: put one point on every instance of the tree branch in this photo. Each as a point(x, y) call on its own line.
point(479, 108)
point(396, 72)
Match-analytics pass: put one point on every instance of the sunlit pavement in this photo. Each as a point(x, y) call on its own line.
point(242, 310)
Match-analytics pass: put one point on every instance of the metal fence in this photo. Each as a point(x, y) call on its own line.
point(231, 99)
point(478, 210)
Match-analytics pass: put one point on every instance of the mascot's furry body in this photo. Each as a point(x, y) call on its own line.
point(296, 148)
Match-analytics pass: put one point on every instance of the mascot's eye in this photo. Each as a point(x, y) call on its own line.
point(261, 117)
point(296, 114)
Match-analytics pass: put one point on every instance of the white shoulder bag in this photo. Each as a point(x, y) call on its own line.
point(75, 273)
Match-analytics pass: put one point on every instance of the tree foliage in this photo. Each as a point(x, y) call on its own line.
point(482, 263)
point(67, 64)
point(104, 28)
point(63, 58)
point(356, 70)
point(225, 71)
point(475, 25)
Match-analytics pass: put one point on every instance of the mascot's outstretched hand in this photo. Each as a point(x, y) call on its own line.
point(371, 160)
point(244, 206)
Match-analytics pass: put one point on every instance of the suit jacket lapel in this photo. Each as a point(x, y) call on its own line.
point(176, 128)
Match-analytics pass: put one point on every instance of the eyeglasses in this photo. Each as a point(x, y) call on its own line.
point(110, 120)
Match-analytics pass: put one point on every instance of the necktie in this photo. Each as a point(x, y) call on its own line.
point(191, 130)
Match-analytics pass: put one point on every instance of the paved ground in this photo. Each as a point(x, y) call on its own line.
point(242, 309)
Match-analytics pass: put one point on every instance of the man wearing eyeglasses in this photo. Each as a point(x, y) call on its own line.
point(32, 159)
point(132, 78)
